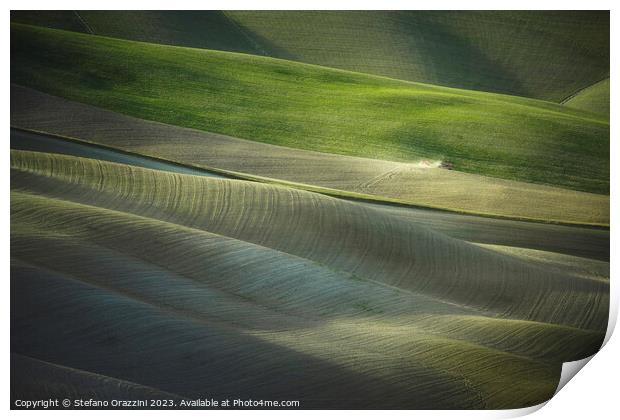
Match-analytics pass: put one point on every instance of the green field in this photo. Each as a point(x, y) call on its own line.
point(382, 301)
point(358, 210)
point(321, 109)
point(419, 183)
point(545, 55)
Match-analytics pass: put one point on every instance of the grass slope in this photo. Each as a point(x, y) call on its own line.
point(316, 108)
point(419, 184)
point(594, 98)
point(169, 280)
point(547, 55)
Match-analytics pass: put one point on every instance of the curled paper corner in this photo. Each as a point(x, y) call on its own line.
point(569, 370)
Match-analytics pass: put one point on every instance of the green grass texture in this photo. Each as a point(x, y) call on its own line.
point(316, 108)
point(543, 54)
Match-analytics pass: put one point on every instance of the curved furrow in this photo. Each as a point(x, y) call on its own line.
point(344, 236)
point(500, 377)
point(520, 337)
point(246, 286)
point(272, 279)
point(75, 324)
point(576, 266)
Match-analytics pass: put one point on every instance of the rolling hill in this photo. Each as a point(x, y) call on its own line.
point(320, 109)
point(422, 183)
point(109, 277)
point(547, 55)
point(375, 247)
point(340, 208)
